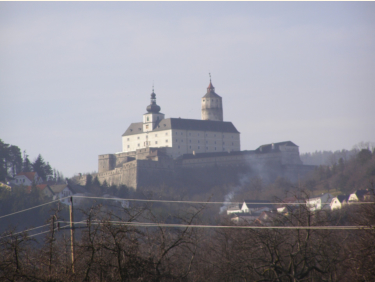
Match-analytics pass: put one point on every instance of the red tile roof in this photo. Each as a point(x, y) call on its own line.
point(30, 175)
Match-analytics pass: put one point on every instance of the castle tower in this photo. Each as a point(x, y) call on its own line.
point(153, 115)
point(212, 107)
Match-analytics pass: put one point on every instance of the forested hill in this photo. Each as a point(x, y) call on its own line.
point(330, 158)
point(12, 162)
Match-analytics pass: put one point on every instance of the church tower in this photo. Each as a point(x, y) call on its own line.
point(153, 115)
point(212, 107)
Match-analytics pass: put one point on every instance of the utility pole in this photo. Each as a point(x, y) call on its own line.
point(71, 231)
point(51, 244)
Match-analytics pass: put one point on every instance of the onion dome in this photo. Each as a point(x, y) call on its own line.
point(153, 107)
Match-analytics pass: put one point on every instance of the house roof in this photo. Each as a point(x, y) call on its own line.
point(58, 187)
point(258, 204)
point(276, 147)
point(30, 174)
point(342, 198)
point(72, 187)
point(360, 193)
point(184, 124)
point(41, 187)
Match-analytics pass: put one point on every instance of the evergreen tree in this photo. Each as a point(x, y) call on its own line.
point(15, 159)
point(26, 164)
point(4, 156)
point(38, 166)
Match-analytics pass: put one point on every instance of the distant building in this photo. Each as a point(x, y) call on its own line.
point(357, 196)
point(160, 150)
point(63, 192)
point(339, 202)
point(27, 178)
point(321, 202)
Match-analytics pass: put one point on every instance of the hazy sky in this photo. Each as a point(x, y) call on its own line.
point(74, 75)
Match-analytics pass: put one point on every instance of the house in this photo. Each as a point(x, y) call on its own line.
point(290, 204)
point(65, 191)
point(339, 201)
point(27, 178)
point(250, 206)
point(234, 209)
point(369, 196)
point(244, 218)
point(45, 188)
point(267, 218)
point(321, 202)
point(357, 196)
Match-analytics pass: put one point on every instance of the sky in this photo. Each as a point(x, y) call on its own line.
point(74, 75)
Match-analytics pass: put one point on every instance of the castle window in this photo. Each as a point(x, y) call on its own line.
point(206, 148)
point(215, 148)
point(232, 143)
point(147, 118)
point(166, 141)
point(189, 147)
point(156, 135)
point(139, 145)
point(128, 146)
point(146, 126)
point(223, 143)
point(166, 134)
point(189, 141)
point(204, 100)
point(198, 142)
point(199, 147)
point(179, 147)
point(156, 142)
point(215, 142)
point(206, 142)
point(138, 137)
point(127, 139)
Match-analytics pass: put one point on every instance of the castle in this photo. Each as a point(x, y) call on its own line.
point(160, 150)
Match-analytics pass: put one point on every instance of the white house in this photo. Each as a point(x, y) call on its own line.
point(250, 206)
point(357, 196)
point(27, 178)
point(290, 204)
point(321, 202)
point(234, 208)
point(339, 201)
point(64, 191)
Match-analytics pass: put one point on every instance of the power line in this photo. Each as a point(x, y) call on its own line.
point(32, 208)
point(168, 201)
point(151, 224)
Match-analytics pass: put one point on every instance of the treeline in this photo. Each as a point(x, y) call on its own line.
point(12, 162)
point(345, 176)
point(124, 247)
point(329, 158)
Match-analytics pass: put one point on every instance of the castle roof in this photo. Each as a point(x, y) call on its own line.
point(185, 124)
point(267, 148)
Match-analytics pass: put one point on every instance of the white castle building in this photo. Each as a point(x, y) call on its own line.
point(158, 149)
point(184, 136)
